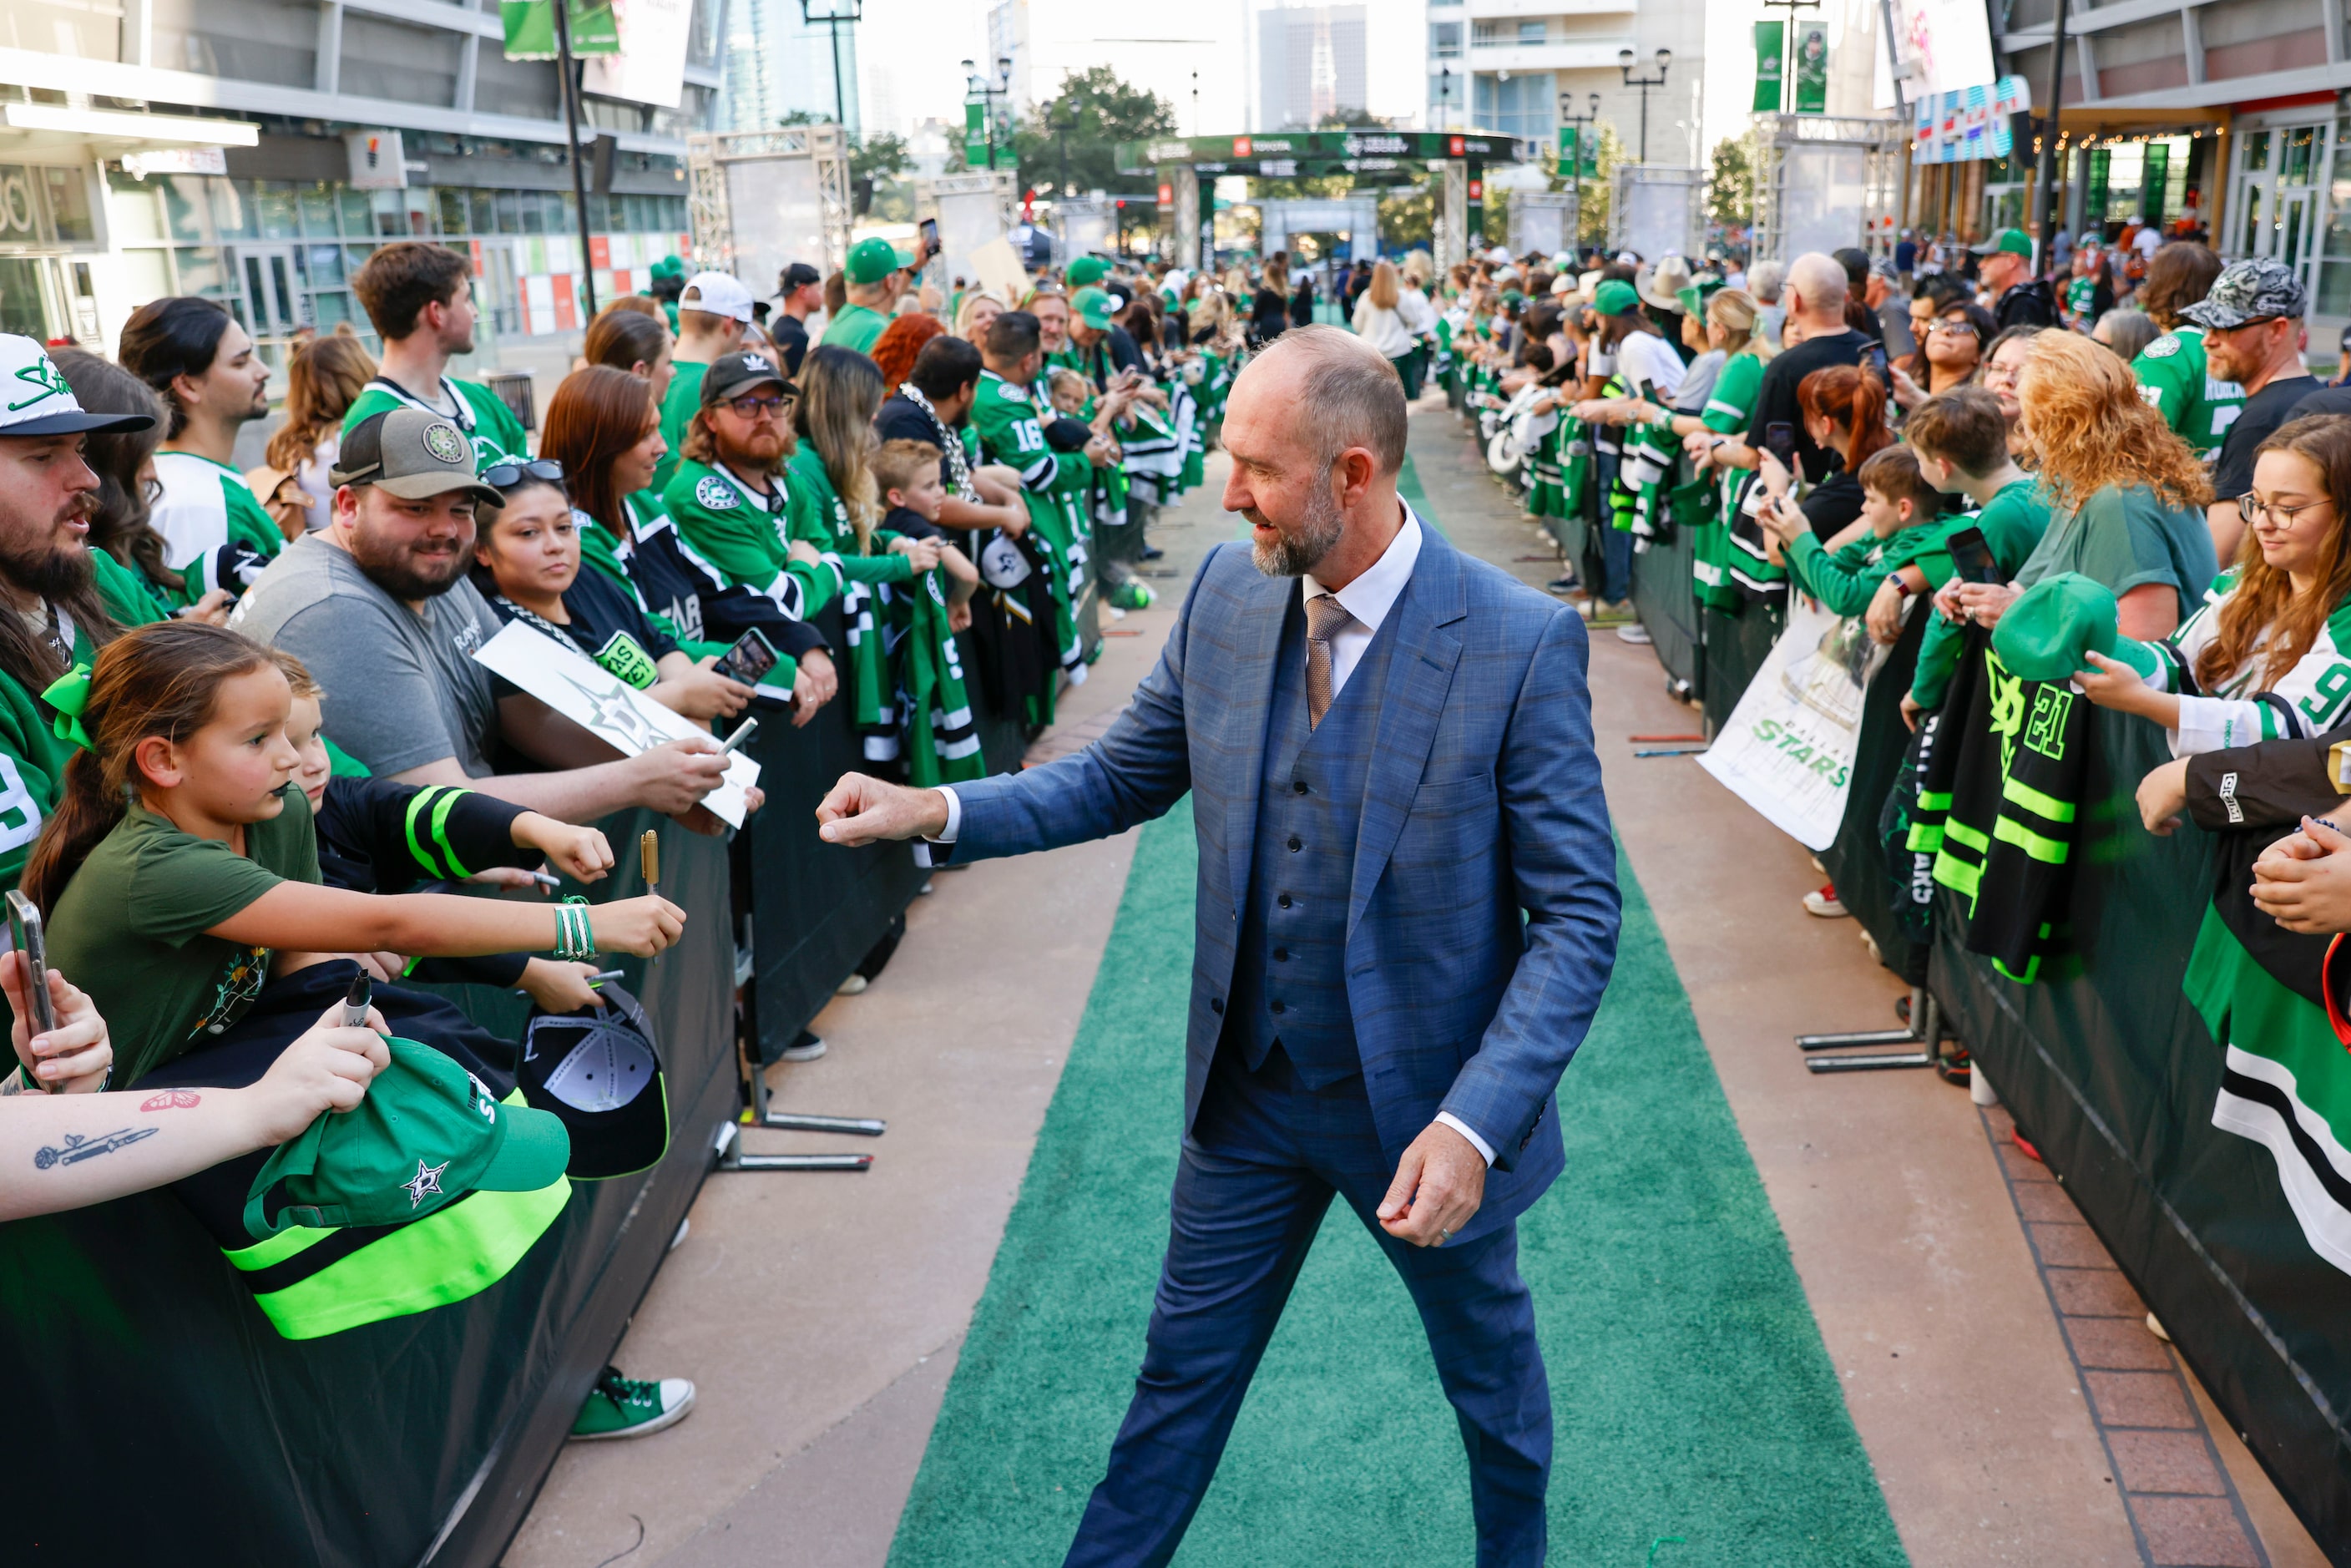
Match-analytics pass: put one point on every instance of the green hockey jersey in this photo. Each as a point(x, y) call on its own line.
point(497, 434)
point(2173, 377)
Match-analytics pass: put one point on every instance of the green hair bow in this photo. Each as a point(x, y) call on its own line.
point(70, 693)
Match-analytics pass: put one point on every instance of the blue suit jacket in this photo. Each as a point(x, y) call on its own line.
point(1483, 801)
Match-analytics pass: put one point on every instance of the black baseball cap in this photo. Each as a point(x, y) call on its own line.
point(598, 1072)
point(732, 375)
point(798, 274)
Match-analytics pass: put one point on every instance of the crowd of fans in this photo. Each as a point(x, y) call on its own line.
point(2115, 480)
point(247, 754)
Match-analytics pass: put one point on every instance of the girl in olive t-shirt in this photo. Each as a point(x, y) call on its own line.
point(180, 868)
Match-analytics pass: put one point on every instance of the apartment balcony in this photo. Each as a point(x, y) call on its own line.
point(1489, 10)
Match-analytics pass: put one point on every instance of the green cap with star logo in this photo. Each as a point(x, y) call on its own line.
point(428, 1132)
point(36, 400)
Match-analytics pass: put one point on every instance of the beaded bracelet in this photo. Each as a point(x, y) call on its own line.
point(575, 938)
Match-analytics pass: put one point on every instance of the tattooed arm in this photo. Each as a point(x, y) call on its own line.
point(69, 1151)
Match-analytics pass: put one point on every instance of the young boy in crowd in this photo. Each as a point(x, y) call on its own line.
point(1961, 437)
point(908, 474)
point(1903, 542)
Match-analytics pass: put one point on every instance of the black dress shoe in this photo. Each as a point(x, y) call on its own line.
point(1152, 552)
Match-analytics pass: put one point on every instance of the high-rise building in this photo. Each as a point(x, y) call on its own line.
point(786, 62)
point(1504, 65)
point(1310, 66)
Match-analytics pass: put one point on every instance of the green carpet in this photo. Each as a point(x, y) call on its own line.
point(1692, 1395)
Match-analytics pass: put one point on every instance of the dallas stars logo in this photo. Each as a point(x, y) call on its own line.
point(612, 716)
point(42, 373)
point(425, 1183)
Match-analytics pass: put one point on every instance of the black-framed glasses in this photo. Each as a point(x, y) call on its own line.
point(509, 475)
point(753, 407)
point(2254, 510)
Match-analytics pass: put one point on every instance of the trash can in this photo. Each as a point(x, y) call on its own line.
point(512, 388)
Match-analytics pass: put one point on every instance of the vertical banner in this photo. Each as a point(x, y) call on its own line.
point(1568, 165)
point(974, 135)
point(650, 65)
point(1812, 68)
point(1770, 47)
point(531, 29)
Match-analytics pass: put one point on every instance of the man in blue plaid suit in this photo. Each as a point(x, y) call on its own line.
point(1407, 911)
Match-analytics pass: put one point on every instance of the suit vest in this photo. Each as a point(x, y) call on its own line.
point(1291, 975)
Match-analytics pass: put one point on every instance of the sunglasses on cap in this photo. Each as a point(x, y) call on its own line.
point(510, 475)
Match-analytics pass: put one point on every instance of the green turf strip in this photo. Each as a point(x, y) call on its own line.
point(1692, 1395)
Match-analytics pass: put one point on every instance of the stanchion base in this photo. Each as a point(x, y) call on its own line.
point(1875, 1061)
point(742, 1162)
point(799, 1121)
point(727, 1147)
point(1865, 1036)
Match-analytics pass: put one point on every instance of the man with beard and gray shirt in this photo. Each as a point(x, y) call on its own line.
point(378, 605)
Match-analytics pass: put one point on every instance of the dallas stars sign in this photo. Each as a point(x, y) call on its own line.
point(629, 722)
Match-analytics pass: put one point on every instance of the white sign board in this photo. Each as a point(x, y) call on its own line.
point(378, 159)
point(607, 706)
point(1788, 748)
point(651, 66)
point(971, 222)
point(1946, 44)
point(777, 210)
point(1823, 197)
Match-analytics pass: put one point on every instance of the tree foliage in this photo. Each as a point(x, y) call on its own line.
point(1730, 180)
point(1592, 206)
point(1098, 110)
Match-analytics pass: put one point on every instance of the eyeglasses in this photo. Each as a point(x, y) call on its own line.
point(2255, 510)
point(507, 476)
point(1955, 328)
point(753, 407)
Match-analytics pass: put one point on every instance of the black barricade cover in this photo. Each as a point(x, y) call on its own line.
point(1856, 862)
point(1666, 600)
point(1735, 647)
point(162, 1420)
point(2113, 1076)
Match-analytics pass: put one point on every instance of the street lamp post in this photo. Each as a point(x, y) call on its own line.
point(1445, 98)
point(1062, 125)
point(1587, 124)
point(835, 15)
point(977, 86)
point(1665, 58)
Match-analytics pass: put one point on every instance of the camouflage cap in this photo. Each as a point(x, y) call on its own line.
point(2256, 290)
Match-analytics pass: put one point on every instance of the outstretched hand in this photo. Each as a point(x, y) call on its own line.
point(1439, 1184)
point(862, 811)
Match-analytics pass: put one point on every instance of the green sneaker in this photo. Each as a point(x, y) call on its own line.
point(632, 1406)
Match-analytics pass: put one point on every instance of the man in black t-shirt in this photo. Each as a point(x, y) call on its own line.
point(800, 290)
point(1814, 294)
point(2252, 336)
point(2005, 270)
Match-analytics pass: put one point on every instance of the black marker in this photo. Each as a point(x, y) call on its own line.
point(356, 999)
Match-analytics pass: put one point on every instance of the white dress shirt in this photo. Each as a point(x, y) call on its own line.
point(1367, 599)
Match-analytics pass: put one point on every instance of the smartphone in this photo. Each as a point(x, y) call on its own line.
point(929, 229)
point(1780, 441)
point(748, 660)
point(25, 935)
point(1971, 556)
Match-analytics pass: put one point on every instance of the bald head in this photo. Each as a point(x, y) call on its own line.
point(1348, 393)
point(1816, 284)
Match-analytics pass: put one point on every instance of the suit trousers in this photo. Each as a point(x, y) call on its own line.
point(1257, 1175)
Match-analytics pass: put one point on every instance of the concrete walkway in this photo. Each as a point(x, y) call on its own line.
point(820, 1314)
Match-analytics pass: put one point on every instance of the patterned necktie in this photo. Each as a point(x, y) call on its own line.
point(1325, 617)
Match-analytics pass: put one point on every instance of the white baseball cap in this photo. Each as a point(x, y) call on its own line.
point(35, 398)
point(716, 294)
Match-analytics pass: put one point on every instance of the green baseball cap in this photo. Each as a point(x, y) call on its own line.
point(1693, 299)
point(2049, 633)
point(872, 260)
point(1616, 298)
point(1092, 306)
point(2015, 241)
point(428, 1132)
point(1085, 270)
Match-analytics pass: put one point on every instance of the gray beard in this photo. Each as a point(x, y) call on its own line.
point(1319, 532)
